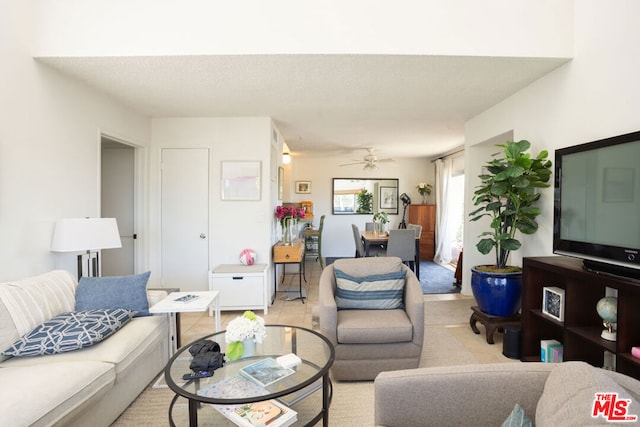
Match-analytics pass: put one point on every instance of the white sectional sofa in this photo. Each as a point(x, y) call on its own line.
point(89, 386)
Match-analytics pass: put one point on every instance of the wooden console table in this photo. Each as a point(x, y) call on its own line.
point(288, 254)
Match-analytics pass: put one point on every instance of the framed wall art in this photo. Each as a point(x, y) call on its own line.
point(241, 180)
point(388, 198)
point(280, 182)
point(303, 187)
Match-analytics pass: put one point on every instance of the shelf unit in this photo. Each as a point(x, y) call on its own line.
point(580, 331)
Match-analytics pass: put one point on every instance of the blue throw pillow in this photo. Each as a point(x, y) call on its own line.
point(70, 331)
point(517, 418)
point(375, 292)
point(128, 292)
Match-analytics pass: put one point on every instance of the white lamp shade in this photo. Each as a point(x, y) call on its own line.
point(85, 234)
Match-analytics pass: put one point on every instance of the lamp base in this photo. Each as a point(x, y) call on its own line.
point(609, 336)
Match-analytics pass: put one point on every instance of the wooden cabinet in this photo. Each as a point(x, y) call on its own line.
point(425, 215)
point(579, 332)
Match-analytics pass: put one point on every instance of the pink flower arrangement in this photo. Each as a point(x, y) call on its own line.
point(284, 212)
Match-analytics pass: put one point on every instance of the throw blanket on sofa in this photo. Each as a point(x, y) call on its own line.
point(32, 301)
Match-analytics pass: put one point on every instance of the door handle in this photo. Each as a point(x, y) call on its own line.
point(203, 236)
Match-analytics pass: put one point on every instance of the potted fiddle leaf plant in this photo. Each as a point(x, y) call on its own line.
point(508, 195)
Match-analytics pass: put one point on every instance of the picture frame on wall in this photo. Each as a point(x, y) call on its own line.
point(241, 180)
point(280, 182)
point(388, 199)
point(303, 187)
point(553, 302)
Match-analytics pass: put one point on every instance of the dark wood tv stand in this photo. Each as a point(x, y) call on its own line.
point(580, 331)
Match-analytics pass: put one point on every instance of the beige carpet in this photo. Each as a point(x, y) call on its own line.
point(449, 341)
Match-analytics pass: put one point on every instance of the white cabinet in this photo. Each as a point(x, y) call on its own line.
point(242, 287)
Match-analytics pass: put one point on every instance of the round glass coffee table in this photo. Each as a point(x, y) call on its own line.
point(307, 390)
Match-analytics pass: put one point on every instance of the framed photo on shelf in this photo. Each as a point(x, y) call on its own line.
point(553, 302)
point(303, 187)
point(241, 180)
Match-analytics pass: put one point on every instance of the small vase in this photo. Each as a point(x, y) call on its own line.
point(249, 347)
point(424, 199)
point(287, 231)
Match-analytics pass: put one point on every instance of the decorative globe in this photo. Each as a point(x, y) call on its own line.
point(607, 309)
point(247, 256)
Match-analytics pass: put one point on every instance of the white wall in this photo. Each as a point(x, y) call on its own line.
point(337, 238)
point(49, 148)
point(594, 96)
point(233, 225)
point(520, 28)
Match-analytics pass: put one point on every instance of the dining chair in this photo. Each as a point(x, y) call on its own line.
point(402, 244)
point(357, 238)
point(314, 238)
point(378, 249)
point(417, 228)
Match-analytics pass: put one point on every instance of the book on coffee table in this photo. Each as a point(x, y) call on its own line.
point(266, 413)
point(266, 372)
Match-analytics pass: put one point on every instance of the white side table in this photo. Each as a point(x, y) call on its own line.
point(172, 307)
point(242, 287)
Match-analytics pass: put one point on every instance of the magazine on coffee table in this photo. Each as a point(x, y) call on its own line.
point(233, 387)
point(266, 372)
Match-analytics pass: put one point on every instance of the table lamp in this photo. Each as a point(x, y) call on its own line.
point(86, 234)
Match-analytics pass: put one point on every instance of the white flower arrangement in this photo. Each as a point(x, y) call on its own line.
point(424, 188)
point(247, 326)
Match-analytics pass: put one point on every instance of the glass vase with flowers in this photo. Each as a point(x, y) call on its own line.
point(243, 333)
point(425, 191)
point(288, 217)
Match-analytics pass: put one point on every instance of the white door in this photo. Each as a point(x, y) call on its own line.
point(185, 218)
point(117, 201)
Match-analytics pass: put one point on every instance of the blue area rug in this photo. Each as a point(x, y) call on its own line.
point(434, 278)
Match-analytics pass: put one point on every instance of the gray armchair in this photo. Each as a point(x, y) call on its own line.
point(368, 342)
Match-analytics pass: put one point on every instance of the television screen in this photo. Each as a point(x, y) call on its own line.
point(597, 202)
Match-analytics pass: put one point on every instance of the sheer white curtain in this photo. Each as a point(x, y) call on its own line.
point(444, 228)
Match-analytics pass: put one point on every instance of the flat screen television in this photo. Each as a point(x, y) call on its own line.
point(597, 204)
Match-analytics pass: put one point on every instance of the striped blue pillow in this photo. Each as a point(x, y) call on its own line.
point(375, 292)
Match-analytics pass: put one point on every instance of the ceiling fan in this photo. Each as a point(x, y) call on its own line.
point(370, 161)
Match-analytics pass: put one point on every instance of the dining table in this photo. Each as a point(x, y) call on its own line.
point(372, 237)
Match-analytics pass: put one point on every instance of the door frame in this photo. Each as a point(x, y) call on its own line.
point(139, 183)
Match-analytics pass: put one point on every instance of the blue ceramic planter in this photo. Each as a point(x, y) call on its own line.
point(497, 294)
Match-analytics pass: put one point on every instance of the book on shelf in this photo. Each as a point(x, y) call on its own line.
point(259, 414)
point(266, 371)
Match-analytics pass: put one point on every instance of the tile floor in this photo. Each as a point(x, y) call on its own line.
point(294, 312)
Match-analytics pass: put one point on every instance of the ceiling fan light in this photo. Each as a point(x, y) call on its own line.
point(286, 158)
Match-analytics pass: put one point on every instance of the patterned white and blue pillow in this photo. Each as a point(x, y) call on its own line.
point(375, 292)
point(70, 331)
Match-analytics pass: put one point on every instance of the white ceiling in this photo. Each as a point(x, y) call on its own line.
point(402, 105)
